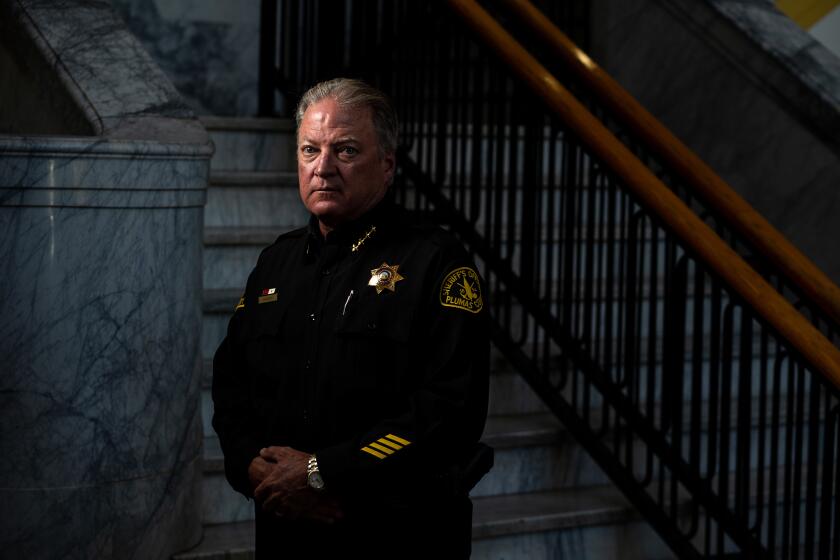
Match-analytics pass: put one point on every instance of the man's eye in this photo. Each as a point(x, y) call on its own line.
point(307, 150)
point(349, 150)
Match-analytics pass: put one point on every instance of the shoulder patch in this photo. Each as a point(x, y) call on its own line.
point(462, 290)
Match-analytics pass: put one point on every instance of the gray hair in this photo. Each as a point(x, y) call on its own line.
point(350, 93)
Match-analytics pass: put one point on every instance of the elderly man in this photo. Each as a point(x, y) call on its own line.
point(351, 389)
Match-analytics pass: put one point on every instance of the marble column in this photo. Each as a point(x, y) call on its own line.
point(100, 294)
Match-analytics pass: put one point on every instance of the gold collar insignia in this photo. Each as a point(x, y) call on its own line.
point(362, 239)
point(384, 277)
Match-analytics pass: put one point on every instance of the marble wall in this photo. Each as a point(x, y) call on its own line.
point(101, 218)
point(208, 48)
point(746, 89)
point(99, 437)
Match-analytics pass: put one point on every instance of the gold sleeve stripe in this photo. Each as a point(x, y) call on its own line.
point(241, 304)
point(382, 448)
point(372, 452)
point(390, 443)
point(398, 439)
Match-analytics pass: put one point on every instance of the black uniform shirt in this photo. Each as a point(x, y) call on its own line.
point(369, 348)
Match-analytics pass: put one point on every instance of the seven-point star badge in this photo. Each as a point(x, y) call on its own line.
point(384, 277)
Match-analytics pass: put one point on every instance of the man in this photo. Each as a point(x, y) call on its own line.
point(351, 388)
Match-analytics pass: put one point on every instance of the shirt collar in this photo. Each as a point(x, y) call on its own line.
point(350, 233)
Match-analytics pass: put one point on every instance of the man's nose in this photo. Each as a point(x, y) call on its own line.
point(325, 164)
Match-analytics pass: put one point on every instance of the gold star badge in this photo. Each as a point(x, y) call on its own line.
point(384, 277)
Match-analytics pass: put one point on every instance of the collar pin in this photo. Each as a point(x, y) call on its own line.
point(362, 239)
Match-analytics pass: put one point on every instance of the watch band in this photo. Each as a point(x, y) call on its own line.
point(313, 474)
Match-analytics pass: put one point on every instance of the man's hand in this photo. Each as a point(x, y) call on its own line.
point(258, 470)
point(279, 479)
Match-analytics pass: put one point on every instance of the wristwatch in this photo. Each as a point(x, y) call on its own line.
point(313, 475)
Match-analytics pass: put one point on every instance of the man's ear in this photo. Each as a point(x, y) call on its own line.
point(389, 166)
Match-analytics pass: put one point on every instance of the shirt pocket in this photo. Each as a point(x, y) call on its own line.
point(375, 341)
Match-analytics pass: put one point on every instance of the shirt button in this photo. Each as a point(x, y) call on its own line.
point(312, 316)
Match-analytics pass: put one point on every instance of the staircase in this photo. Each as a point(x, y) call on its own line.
point(670, 349)
point(544, 498)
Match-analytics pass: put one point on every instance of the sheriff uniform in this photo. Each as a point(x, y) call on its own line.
point(369, 349)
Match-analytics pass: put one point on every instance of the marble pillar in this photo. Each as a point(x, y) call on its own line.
point(100, 294)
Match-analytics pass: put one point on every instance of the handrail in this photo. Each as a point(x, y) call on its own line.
point(653, 194)
point(716, 192)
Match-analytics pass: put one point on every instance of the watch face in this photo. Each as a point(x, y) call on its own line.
point(315, 480)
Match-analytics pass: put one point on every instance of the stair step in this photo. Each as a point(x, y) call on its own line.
point(520, 430)
point(221, 300)
point(252, 144)
point(254, 178)
point(496, 516)
point(228, 541)
point(493, 517)
point(230, 252)
point(583, 522)
point(258, 199)
point(242, 235)
point(215, 123)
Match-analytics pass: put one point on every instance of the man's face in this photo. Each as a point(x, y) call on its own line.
point(340, 172)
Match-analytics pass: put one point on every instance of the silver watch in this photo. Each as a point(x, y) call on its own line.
point(313, 475)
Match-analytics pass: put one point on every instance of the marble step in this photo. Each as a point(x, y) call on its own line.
point(586, 522)
point(230, 253)
point(598, 521)
point(253, 198)
point(251, 144)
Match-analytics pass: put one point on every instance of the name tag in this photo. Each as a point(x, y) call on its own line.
point(267, 299)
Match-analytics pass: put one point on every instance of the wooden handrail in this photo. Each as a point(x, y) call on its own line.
point(798, 269)
point(656, 197)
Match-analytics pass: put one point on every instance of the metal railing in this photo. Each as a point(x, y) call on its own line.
point(749, 233)
point(698, 389)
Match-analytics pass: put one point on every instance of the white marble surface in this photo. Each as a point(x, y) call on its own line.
point(736, 105)
point(633, 541)
point(275, 206)
point(229, 266)
point(536, 468)
point(244, 150)
point(105, 68)
point(99, 386)
point(100, 245)
point(221, 503)
point(208, 49)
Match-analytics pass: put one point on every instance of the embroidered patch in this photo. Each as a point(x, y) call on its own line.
point(462, 290)
point(385, 446)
